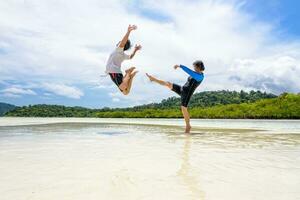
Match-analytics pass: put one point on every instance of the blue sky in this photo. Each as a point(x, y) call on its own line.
point(283, 13)
point(55, 53)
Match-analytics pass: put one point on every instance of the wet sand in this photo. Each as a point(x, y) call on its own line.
point(141, 159)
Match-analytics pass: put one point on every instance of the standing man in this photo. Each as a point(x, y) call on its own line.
point(186, 91)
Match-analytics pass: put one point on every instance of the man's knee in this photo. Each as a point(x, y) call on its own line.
point(122, 87)
point(125, 92)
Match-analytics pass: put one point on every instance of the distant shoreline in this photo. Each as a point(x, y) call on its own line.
point(199, 125)
point(206, 105)
point(154, 118)
point(286, 106)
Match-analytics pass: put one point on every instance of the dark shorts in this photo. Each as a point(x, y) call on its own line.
point(117, 78)
point(185, 95)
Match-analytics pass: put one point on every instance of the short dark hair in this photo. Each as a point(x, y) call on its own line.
point(199, 64)
point(127, 45)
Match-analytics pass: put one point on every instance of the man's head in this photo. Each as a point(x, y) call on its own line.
point(127, 45)
point(199, 66)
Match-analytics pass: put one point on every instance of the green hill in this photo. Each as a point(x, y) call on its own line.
point(43, 110)
point(4, 108)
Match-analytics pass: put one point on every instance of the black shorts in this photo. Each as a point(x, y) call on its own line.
point(185, 95)
point(117, 78)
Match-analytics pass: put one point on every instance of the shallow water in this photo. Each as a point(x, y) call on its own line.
point(148, 159)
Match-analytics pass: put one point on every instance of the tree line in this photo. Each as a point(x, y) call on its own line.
point(213, 104)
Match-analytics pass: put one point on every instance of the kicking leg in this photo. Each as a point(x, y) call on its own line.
point(127, 90)
point(161, 82)
point(186, 116)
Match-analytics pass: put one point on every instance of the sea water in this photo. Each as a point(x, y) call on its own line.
point(72, 158)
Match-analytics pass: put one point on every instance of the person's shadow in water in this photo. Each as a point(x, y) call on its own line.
point(186, 171)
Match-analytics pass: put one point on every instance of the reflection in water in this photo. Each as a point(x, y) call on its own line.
point(186, 172)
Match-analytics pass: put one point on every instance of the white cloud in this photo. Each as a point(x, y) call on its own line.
point(68, 42)
point(275, 73)
point(63, 90)
point(47, 94)
point(10, 95)
point(15, 92)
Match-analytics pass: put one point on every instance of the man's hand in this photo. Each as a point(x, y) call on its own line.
point(137, 47)
point(131, 28)
point(176, 66)
point(126, 36)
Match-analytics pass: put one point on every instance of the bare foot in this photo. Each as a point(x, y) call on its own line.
point(188, 129)
point(133, 74)
point(151, 78)
point(130, 70)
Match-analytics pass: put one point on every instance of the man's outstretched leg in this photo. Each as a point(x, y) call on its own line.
point(161, 82)
point(186, 116)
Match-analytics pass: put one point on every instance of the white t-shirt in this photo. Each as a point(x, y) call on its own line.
point(115, 60)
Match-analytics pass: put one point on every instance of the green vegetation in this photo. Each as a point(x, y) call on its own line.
point(4, 107)
point(286, 106)
point(212, 98)
point(220, 104)
point(43, 110)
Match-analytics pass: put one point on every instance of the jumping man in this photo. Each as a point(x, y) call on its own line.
point(113, 66)
point(187, 90)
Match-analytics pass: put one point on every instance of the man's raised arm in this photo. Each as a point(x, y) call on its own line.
point(126, 36)
point(195, 75)
point(136, 48)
